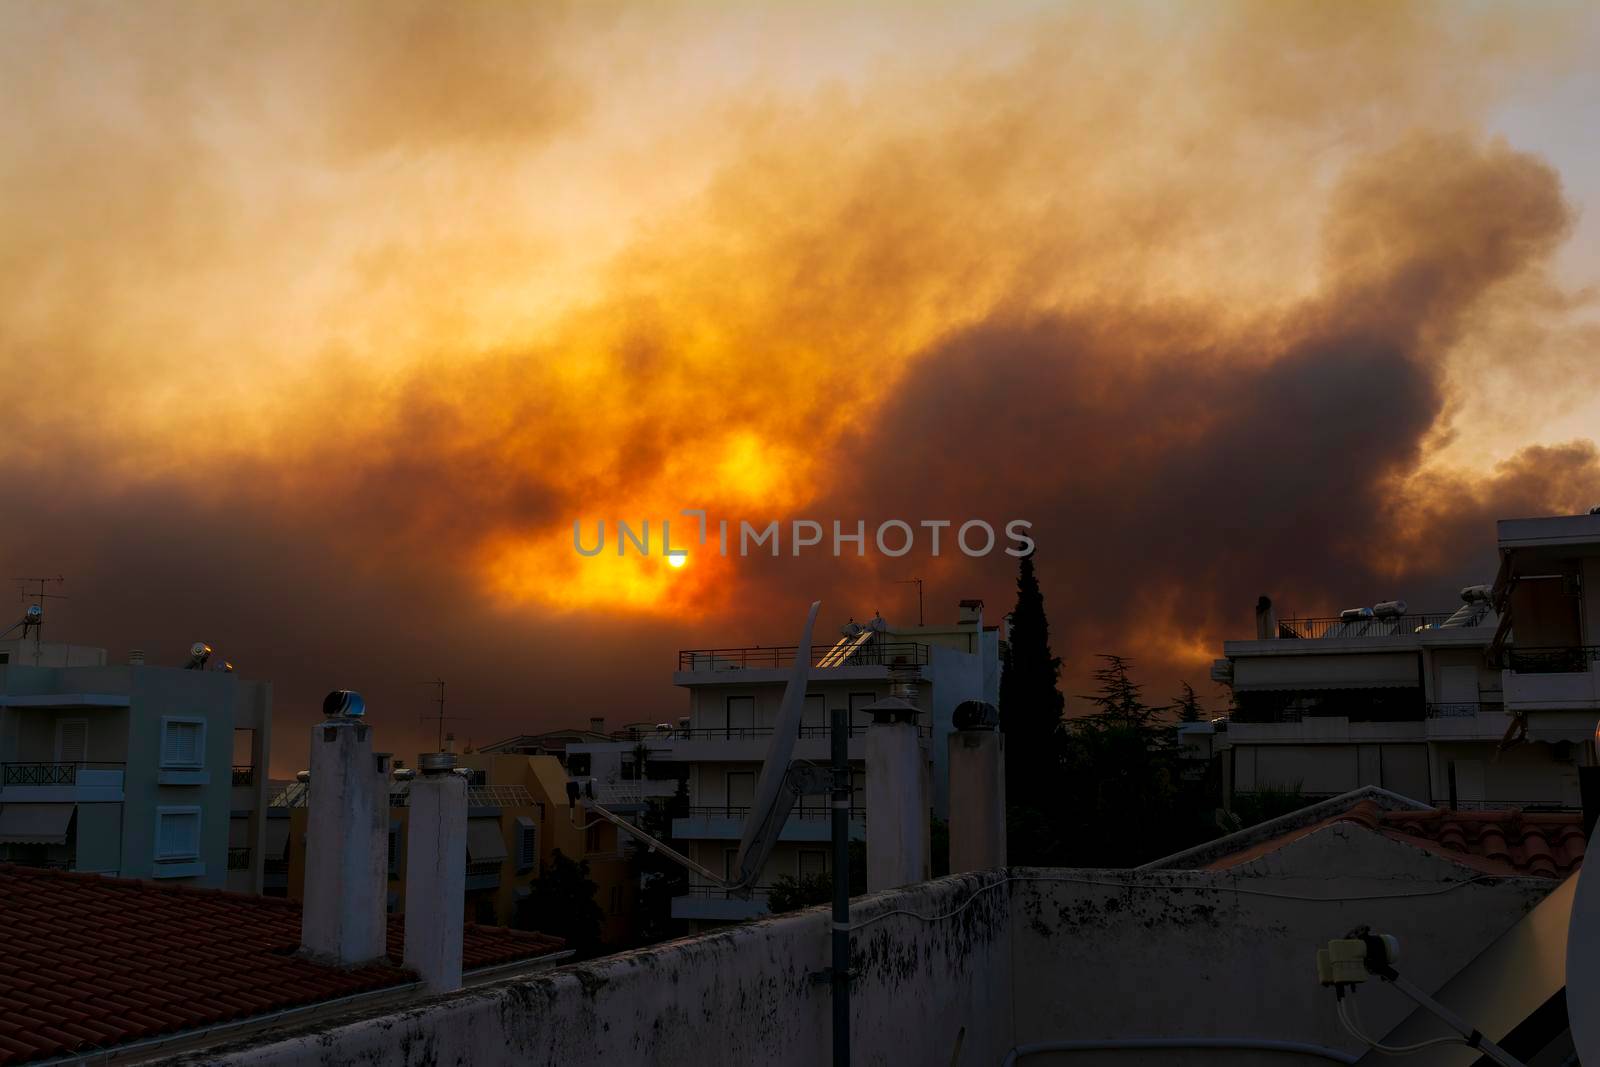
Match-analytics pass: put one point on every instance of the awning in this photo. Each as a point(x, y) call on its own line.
point(484, 843)
point(35, 824)
point(1360, 670)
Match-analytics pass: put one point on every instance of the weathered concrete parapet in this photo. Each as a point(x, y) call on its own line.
point(897, 798)
point(346, 884)
point(436, 873)
point(977, 800)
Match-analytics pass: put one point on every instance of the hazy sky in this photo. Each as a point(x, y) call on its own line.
point(320, 326)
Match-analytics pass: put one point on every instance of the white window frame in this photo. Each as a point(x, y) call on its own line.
point(164, 811)
point(61, 727)
point(167, 721)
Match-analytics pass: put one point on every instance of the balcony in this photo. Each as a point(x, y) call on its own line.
point(1552, 679)
point(779, 657)
point(61, 783)
point(244, 774)
point(1467, 721)
point(711, 904)
point(725, 822)
point(238, 859)
point(484, 875)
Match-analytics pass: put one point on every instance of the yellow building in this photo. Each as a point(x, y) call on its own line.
point(517, 816)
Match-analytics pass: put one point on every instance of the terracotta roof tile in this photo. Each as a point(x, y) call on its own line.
point(1509, 843)
point(90, 962)
point(1550, 844)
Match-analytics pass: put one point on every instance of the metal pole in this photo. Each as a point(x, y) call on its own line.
point(1475, 1039)
point(841, 887)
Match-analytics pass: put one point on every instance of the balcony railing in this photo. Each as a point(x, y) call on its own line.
point(1570, 659)
point(275, 865)
point(872, 654)
point(753, 733)
point(49, 773)
point(244, 774)
point(718, 893)
point(1461, 709)
point(1374, 626)
point(738, 811)
point(238, 859)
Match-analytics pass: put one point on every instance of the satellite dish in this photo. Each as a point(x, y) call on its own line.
point(199, 652)
point(773, 799)
point(35, 613)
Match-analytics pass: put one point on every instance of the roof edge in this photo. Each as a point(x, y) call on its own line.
point(1211, 851)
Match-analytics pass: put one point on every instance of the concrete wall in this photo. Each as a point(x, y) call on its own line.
point(959, 970)
point(748, 994)
point(1191, 953)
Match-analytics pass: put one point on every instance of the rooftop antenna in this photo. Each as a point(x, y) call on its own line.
point(33, 619)
point(918, 583)
point(439, 716)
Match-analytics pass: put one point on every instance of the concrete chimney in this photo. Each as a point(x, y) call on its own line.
point(597, 724)
point(346, 879)
point(1266, 619)
point(897, 797)
point(436, 872)
point(977, 789)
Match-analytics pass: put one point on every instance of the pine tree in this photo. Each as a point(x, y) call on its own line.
point(1187, 704)
point(1030, 700)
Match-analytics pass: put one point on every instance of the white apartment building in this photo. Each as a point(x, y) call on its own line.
point(1492, 705)
point(135, 770)
point(734, 695)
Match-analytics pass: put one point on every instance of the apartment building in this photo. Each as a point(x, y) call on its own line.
point(1490, 705)
point(734, 695)
point(132, 769)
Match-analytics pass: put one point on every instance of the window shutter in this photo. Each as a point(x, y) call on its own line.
point(177, 834)
point(181, 747)
point(74, 741)
point(527, 843)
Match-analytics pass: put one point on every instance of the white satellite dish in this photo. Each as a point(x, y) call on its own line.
point(773, 798)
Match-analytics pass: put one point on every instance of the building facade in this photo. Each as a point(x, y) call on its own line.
point(1492, 705)
point(734, 695)
point(134, 770)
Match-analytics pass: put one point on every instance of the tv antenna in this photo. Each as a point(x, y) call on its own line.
point(439, 716)
point(33, 615)
point(918, 583)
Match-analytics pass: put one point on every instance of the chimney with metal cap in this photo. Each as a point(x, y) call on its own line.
point(977, 788)
point(436, 871)
point(343, 921)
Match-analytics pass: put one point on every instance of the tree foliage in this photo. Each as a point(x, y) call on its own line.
point(562, 903)
point(1030, 699)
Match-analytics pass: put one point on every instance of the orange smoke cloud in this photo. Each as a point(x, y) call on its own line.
point(426, 286)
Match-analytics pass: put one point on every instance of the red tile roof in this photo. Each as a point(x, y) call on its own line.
point(89, 962)
point(1509, 843)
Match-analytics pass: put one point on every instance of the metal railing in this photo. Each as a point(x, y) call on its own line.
point(1375, 626)
point(756, 657)
point(238, 859)
point(1570, 659)
point(754, 733)
point(1511, 805)
point(244, 774)
point(739, 811)
point(49, 773)
point(1461, 709)
point(717, 892)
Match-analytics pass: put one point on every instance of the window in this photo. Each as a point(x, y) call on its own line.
point(814, 716)
point(859, 719)
point(183, 742)
point(813, 861)
point(591, 839)
point(177, 834)
point(72, 740)
point(394, 848)
point(616, 900)
point(527, 844)
point(741, 716)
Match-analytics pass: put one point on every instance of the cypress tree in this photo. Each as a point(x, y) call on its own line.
point(1030, 700)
